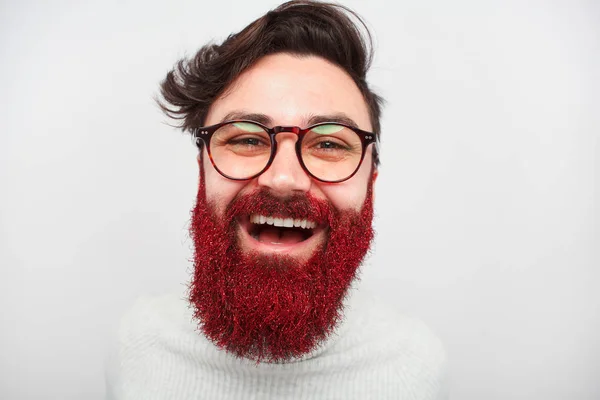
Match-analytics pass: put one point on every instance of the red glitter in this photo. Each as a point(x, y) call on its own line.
point(272, 308)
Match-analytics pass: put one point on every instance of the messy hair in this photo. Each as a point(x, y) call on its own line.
point(297, 27)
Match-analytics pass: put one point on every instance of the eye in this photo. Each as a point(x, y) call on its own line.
point(331, 143)
point(247, 141)
point(328, 144)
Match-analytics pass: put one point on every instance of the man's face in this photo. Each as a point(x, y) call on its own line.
point(267, 293)
point(290, 91)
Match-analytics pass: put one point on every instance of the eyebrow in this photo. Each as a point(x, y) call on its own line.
point(337, 117)
point(256, 117)
point(311, 119)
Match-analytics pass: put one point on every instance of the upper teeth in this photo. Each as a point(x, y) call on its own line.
point(282, 222)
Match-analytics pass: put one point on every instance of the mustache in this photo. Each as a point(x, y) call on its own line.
point(264, 202)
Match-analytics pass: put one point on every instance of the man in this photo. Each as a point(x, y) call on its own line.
point(287, 130)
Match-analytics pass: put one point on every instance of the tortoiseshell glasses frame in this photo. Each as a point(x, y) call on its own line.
point(205, 135)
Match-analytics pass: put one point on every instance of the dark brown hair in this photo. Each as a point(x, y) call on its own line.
point(297, 27)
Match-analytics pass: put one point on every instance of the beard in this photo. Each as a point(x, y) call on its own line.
point(274, 307)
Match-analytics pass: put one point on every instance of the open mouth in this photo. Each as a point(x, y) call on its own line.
point(276, 230)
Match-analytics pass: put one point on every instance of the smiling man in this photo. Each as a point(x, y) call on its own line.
point(287, 130)
point(291, 207)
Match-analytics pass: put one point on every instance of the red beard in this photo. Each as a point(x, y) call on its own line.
point(273, 308)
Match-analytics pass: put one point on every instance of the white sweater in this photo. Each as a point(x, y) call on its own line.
point(375, 354)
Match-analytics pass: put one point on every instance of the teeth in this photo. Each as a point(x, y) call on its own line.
point(282, 222)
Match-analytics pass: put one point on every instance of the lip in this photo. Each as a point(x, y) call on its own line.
point(304, 248)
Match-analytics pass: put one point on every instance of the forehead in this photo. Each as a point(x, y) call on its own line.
point(291, 90)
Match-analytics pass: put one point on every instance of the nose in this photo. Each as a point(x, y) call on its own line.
point(285, 176)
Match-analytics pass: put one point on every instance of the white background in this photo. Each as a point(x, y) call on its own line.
point(487, 201)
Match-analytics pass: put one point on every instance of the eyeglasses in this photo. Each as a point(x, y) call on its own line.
point(241, 150)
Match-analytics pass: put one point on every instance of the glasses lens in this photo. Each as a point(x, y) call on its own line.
point(331, 152)
point(240, 150)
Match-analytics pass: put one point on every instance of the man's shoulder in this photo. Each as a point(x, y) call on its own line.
point(158, 322)
point(378, 314)
point(170, 310)
point(397, 326)
point(150, 332)
point(403, 345)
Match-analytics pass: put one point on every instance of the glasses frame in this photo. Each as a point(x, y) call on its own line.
point(205, 133)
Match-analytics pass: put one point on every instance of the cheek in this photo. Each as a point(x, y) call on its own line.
point(352, 193)
point(220, 191)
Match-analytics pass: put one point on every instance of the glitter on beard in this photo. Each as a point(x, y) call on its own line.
point(274, 308)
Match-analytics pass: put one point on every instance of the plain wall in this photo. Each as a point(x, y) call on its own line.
point(487, 201)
